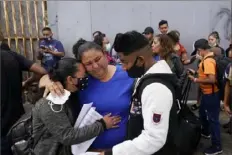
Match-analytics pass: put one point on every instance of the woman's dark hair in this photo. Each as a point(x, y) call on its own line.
point(35, 96)
point(62, 69)
point(215, 34)
point(118, 36)
point(99, 39)
point(87, 46)
point(166, 46)
point(97, 32)
point(174, 36)
point(77, 45)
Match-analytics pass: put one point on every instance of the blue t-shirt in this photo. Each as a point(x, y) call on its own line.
point(110, 97)
point(48, 59)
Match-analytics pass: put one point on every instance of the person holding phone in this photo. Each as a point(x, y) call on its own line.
point(50, 49)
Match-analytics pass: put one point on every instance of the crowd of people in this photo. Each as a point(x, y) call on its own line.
point(136, 111)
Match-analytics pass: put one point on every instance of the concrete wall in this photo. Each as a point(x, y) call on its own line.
point(71, 20)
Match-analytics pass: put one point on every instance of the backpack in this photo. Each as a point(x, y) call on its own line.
point(221, 64)
point(20, 136)
point(184, 127)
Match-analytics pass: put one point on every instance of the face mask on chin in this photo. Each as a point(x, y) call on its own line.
point(136, 71)
point(212, 44)
point(48, 38)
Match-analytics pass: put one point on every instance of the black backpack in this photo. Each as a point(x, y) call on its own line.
point(221, 64)
point(20, 136)
point(184, 127)
point(188, 135)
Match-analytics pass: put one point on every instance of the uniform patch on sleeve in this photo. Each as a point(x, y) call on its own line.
point(156, 117)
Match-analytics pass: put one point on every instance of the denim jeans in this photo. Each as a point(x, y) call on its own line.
point(209, 115)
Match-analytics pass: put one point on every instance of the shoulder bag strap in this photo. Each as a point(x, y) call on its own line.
point(203, 68)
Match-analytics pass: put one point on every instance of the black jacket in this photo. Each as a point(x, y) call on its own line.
point(177, 68)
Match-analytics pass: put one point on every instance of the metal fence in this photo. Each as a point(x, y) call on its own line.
point(21, 22)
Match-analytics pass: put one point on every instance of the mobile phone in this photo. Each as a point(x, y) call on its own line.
point(43, 47)
point(190, 72)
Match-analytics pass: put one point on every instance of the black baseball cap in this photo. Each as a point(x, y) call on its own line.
point(202, 44)
point(148, 30)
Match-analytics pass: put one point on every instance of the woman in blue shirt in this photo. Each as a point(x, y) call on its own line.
point(109, 89)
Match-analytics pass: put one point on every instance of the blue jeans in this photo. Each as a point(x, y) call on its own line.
point(209, 115)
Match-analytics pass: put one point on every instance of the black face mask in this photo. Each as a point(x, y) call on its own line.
point(47, 39)
point(136, 71)
point(82, 83)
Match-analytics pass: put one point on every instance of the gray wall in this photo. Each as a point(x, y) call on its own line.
point(71, 20)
